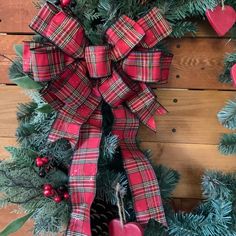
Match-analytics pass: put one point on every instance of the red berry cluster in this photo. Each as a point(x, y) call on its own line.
point(56, 194)
point(45, 165)
point(42, 161)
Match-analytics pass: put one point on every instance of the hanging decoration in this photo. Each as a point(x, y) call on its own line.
point(222, 18)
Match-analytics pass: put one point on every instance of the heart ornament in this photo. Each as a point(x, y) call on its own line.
point(233, 74)
point(130, 229)
point(221, 19)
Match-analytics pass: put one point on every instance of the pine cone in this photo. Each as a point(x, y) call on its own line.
point(101, 215)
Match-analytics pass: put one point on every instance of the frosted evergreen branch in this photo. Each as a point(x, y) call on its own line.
point(227, 116)
point(227, 144)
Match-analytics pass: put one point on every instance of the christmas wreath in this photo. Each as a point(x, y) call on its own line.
point(79, 167)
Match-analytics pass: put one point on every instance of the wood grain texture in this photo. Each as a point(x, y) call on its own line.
point(197, 63)
point(15, 16)
point(191, 118)
point(10, 97)
point(190, 160)
point(193, 115)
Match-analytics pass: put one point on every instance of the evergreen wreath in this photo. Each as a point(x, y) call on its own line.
point(38, 169)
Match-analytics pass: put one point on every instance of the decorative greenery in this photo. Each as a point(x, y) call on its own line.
point(20, 180)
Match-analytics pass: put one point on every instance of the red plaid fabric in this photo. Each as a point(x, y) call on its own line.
point(143, 66)
point(72, 86)
point(61, 29)
point(124, 35)
point(26, 57)
point(98, 61)
point(68, 122)
point(115, 90)
point(142, 179)
point(47, 62)
point(156, 28)
point(52, 99)
point(166, 61)
point(27, 46)
point(144, 106)
point(83, 172)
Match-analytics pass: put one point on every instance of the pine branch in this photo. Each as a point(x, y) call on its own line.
point(227, 116)
point(230, 60)
point(227, 144)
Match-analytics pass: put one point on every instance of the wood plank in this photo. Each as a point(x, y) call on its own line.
point(192, 115)
point(15, 16)
point(198, 63)
point(199, 69)
point(191, 118)
point(190, 160)
point(6, 48)
point(10, 96)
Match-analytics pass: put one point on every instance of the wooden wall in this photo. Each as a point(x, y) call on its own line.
point(187, 136)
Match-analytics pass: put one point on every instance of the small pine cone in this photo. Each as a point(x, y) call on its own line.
point(101, 215)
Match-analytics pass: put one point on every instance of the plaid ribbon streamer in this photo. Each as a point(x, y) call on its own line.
point(142, 179)
point(83, 175)
point(79, 78)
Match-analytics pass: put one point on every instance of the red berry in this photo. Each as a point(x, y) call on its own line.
point(48, 193)
point(66, 195)
point(45, 160)
point(47, 187)
point(39, 162)
point(57, 199)
point(65, 3)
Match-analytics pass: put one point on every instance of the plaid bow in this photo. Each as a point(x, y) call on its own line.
point(80, 77)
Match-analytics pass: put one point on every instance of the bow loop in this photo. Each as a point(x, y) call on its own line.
point(124, 35)
point(61, 29)
point(156, 28)
point(143, 66)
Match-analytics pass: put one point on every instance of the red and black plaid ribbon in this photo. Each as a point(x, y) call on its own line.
point(80, 77)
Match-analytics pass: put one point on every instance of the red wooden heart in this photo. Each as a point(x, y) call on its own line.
point(233, 74)
point(130, 229)
point(221, 19)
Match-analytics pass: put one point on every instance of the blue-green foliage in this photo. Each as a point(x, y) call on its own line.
point(215, 216)
point(227, 116)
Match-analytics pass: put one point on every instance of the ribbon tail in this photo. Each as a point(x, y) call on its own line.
point(142, 179)
point(83, 171)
